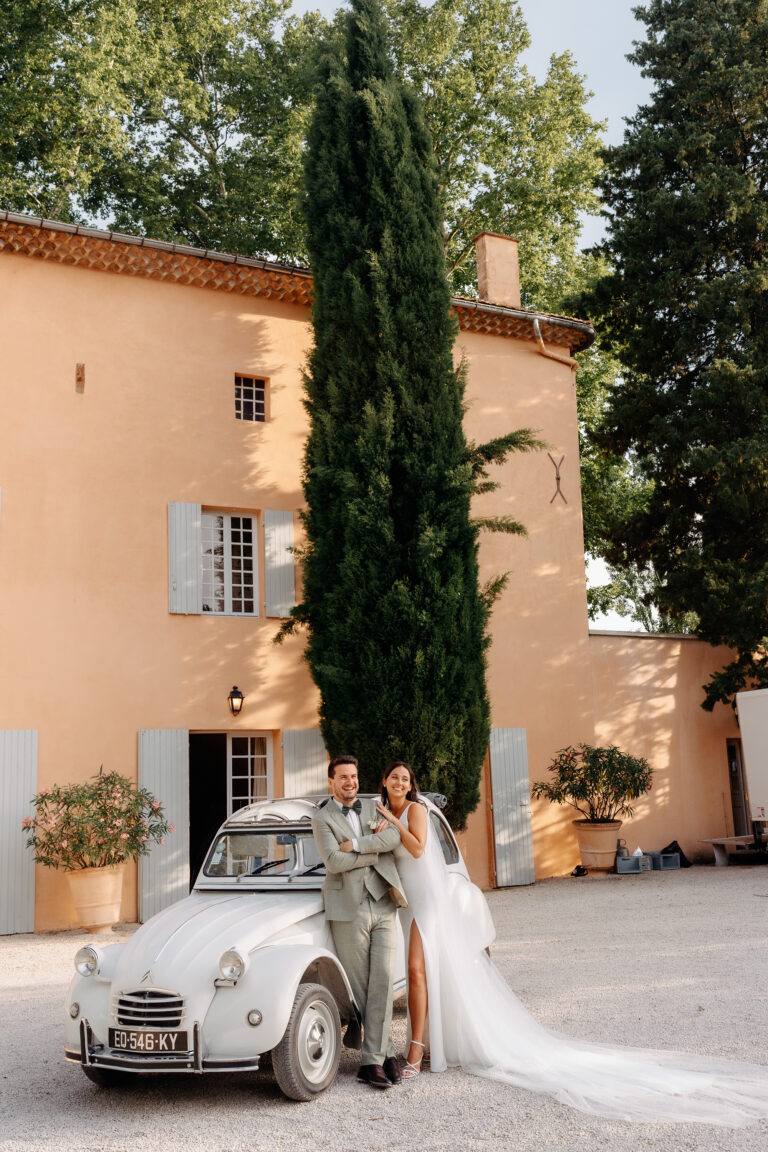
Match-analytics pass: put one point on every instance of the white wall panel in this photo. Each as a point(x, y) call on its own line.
point(185, 558)
point(18, 784)
point(305, 762)
point(511, 791)
point(279, 590)
point(164, 770)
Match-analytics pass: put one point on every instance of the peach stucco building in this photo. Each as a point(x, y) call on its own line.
point(150, 471)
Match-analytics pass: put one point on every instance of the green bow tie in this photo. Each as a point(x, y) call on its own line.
point(356, 807)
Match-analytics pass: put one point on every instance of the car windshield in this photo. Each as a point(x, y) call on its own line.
point(266, 853)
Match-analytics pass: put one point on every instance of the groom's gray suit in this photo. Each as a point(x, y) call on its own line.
point(360, 909)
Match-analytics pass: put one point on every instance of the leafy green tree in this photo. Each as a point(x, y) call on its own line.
point(634, 593)
point(178, 119)
point(60, 99)
point(513, 156)
point(686, 310)
point(397, 623)
point(214, 126)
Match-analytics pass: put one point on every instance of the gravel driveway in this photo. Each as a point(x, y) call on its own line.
point(665, 960)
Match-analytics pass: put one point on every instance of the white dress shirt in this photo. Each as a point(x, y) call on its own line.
point(354, 822)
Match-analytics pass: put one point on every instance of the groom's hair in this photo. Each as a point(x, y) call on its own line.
point(340, 760)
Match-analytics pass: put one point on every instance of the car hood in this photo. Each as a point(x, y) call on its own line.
point(180, 946)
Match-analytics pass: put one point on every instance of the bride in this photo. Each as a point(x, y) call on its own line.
point(477, 1023)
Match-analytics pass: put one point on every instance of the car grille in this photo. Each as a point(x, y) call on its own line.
point(148, 1008)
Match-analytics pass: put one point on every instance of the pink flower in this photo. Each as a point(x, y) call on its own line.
point(143, 839)
point(64, 843)
point(155, 804)
point(118, 823)
point(124, 836)
point(27, 822)
point(172, 828)
point(163, 841)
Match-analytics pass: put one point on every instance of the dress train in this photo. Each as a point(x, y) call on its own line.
point(477, 1023)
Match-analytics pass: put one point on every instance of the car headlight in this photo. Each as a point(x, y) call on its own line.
point(87, 960)
point(231, 964)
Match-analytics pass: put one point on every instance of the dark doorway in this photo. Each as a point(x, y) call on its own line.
point(742, 825)
point(207, 794)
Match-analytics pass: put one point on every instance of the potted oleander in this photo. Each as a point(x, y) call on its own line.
point(91, 831)
point(601, 784)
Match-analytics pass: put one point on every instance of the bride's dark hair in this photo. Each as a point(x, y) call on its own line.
point(413, 791)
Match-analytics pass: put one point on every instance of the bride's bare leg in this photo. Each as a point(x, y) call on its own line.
point(417, 994)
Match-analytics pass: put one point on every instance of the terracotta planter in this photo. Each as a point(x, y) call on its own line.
point(597, 844)
point(96, 894)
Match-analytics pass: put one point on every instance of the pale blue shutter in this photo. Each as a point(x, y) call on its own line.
point(511, 793)
point(305, 763)
point(18, 785)
point(164, 771)
point(278, 561)
point(185, 559)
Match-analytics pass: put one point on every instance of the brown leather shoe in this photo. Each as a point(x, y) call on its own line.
point(392, 1069)
point(374, 1075)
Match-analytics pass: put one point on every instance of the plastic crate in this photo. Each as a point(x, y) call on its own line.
point(629, 865)
point(663, 862)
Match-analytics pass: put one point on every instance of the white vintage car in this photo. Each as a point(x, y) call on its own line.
point(243, 966)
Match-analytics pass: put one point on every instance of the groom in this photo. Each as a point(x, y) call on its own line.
point(360, 908)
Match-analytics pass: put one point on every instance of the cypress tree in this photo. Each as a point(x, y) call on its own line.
point(396, 621)
point(687, 311)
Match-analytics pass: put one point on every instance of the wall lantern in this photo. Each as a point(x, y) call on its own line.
point(236, 701)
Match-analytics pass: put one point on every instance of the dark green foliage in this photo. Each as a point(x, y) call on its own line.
point(397, 624)
point(687, 312)
point(598, 782)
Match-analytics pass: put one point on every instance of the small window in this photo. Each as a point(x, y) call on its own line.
point(249, 770)
point(250, 398)
point(229, 564)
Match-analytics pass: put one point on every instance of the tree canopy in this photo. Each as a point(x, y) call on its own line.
point(686, 310)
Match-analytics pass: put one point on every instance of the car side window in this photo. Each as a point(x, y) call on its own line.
point(445, 839)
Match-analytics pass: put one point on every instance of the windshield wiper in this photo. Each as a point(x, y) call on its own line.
point(263, 867)
point(314, 868)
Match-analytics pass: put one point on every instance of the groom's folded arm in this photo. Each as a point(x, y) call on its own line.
point(383, 841)
point(334, 859)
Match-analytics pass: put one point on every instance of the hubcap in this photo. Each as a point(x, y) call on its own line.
point(316, 1041)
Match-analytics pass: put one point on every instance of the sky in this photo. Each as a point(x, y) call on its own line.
point(599, 34)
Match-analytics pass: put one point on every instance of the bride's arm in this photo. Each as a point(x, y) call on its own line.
point(414, 837)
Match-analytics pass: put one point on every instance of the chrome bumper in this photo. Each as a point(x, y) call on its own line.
point(91, 1055)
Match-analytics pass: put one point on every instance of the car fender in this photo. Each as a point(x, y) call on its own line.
point(92, 995)
point(269, 986)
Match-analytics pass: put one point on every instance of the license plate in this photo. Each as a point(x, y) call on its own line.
point(156, 1043)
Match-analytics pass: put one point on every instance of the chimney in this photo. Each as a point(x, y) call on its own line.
point(498, 275)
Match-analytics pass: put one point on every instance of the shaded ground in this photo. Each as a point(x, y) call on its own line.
point(662, 960)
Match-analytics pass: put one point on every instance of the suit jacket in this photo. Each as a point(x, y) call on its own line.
point(345, 871)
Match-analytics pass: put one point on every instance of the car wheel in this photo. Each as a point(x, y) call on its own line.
point(306, 1060)
point(107, 1077)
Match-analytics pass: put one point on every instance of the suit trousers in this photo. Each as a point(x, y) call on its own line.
point(366, 948)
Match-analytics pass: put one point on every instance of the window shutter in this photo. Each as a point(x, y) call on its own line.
point(185, 559)
point(305, 763)
point(278, 557)
point(18, 784)
point(164, 771)
point(511, 791)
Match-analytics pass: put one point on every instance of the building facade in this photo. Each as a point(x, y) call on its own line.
point(150, 473)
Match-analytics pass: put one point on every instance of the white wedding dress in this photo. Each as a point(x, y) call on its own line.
point(477, 1023)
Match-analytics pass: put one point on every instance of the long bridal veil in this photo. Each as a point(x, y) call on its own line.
point(477, 1023)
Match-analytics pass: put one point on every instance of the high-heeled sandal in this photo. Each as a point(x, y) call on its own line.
point(410, 1069)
